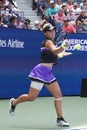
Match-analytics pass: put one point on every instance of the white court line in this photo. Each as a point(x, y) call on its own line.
point(79, 128)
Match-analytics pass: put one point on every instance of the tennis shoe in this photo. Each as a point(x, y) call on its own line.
point(62, 122)
point(11, 107)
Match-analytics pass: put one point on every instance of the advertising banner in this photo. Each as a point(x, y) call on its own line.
point(20, 52)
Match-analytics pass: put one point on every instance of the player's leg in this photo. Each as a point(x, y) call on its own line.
point(35, 88)
point(56, 92)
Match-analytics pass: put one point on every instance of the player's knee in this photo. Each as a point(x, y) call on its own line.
point(58, 95)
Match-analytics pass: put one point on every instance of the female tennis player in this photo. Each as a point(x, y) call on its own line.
point(41, 75)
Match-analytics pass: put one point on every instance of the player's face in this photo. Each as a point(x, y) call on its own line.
point(50, 34)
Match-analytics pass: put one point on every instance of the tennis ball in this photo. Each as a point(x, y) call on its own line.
point(77, 46)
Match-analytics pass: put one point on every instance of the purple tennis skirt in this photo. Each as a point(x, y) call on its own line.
point(42, 74)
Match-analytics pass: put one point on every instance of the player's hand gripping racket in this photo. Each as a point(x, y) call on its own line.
point(61, 39)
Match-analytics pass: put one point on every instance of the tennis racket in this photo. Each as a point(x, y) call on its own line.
point(61, 38)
